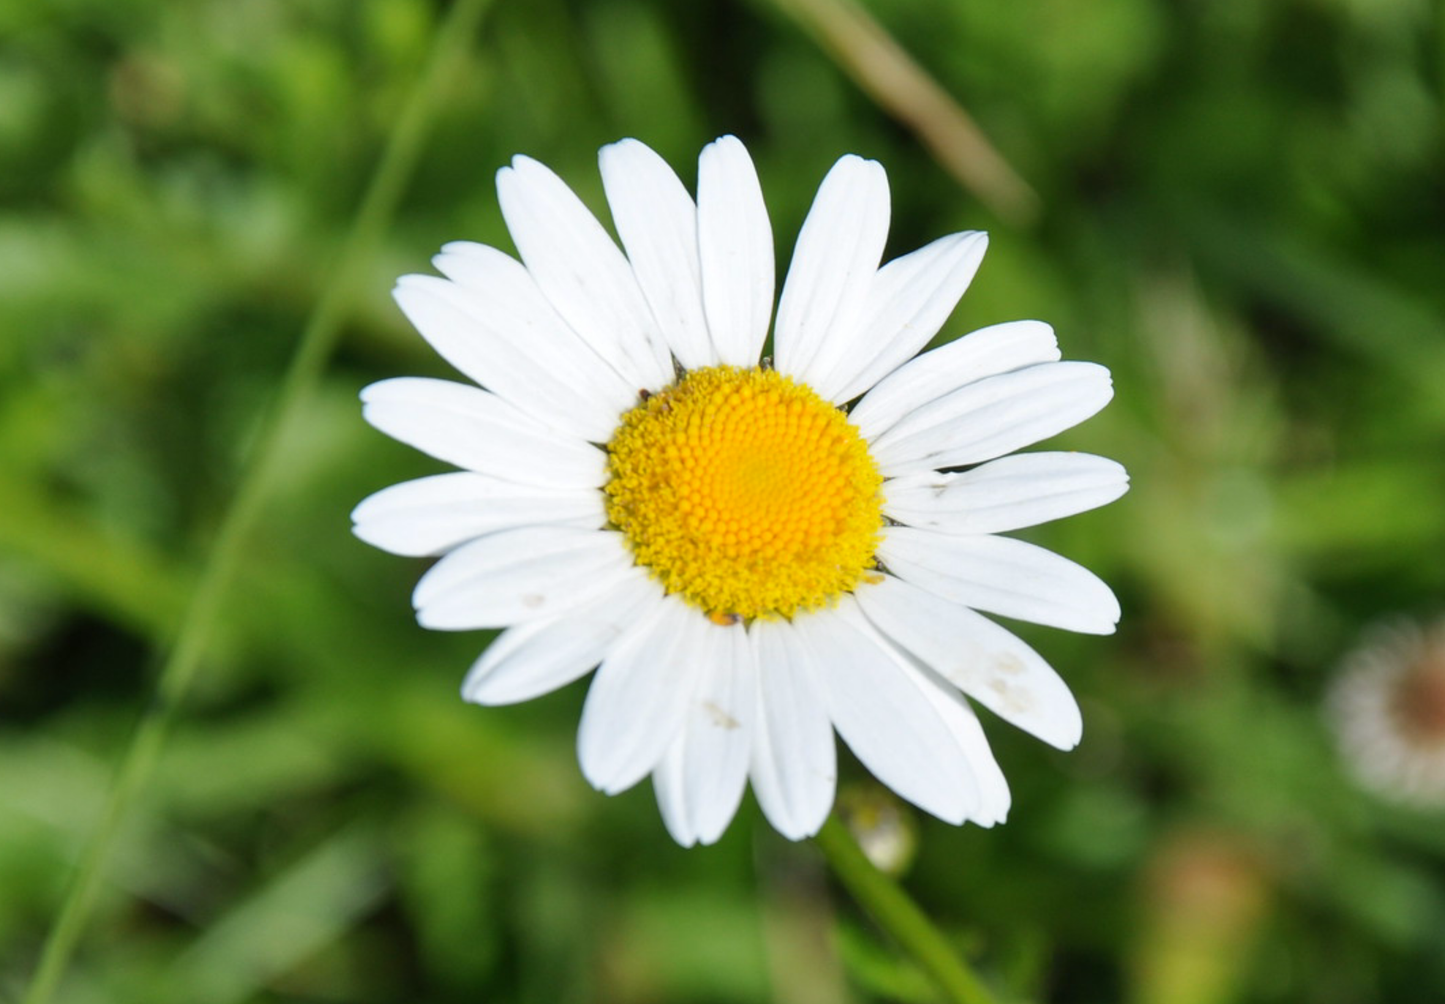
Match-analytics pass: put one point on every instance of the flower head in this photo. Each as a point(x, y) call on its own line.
point(751, 553)
point(1388, 709)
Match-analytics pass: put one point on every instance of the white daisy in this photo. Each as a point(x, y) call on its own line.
point(1388, 709)
point(749, 560)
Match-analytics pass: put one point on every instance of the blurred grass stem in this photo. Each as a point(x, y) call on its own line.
point(893, 79)
point(897, 914)
point(180, 662)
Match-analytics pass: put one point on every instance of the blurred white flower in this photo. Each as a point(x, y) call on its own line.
point(750, 562)
point(1388, 709)
point(881, 826)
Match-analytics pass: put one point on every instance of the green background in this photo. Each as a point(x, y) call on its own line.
point(1241, 214)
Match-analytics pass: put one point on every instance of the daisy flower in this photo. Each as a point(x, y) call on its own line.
point(1388, 709)
point(751, 552)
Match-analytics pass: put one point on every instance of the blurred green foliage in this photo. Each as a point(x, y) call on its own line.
point(1244, 218)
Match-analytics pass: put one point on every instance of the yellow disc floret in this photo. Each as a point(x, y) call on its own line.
point(746, 493)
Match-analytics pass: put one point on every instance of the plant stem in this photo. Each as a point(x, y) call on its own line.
point(900, 916)
point(181, 660)
point(887, 73)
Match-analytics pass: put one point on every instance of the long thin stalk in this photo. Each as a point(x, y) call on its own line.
point(181, 660)
point(900, 916)
point(889, 75)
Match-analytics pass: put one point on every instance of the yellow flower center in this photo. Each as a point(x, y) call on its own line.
point(746, 493)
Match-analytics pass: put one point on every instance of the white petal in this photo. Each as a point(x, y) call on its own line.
point(519, 575)
point(992, 417)
point(539, 656)
point(978, 657)
point(834, 262)
point(993, 795)
point(657, 221)
point(986, 352)
point(507, 314)
point(582, 272)
point(794, 763)
point(1006, 494)
point(475, 429)
point(735, 248)
point(704, 771)
point(1003, 576)
point(908, 301)
point(883, 716)
point(669, 785)
point(639, 697)
point(432, 515)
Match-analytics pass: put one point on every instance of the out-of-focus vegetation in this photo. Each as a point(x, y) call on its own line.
point(1242, 213)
